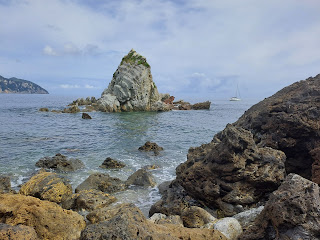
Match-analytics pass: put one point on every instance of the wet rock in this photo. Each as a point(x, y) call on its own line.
point(150, 146)
point(201, 106)
point(292, 212)
point(174, 200)
point(231, 173)
point(230, 227)
point(141, 178)
point(60, 162)
point(196, 217)
point(132, 88)
point(151, 167)
point(48, 186)
point(111, 163)
point(56, 111)
point(18, 232)
point(44, 110)
point(89, 200)
point(5, 184)
point(86, 116)
point(48, 219)
point(159, 218)
point(246, 218)
point(72, 109)
point(126, 221)
point(102, 182)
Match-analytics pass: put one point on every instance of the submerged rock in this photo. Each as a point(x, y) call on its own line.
point(292, 212)
point(102, 182)
point(48, 219)
point(141, 178)
point(48, 186)
point(132, 88)
point(150, 146)
point(111, 163)
point(86, 116)
point(61, 163)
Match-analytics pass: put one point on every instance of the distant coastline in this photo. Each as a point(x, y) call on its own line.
point(20, 86)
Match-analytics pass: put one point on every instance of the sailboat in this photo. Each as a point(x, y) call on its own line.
point(237, 97)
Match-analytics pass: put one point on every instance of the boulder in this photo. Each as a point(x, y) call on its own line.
point(174, 200)
point(141, 178)
point(102, 182)
point(289, 121)
point(246, 218)
point(110, 163)
point(184, 106)
point(126, 221)
point(230, 227)
point(196, 217)
point(44, 110)
point(48, 219)
point(86, 116)
point(292, 212)
point(201, 106)
point(151, 147)
point(18, 232)
point(89, 200)
point(72, 109)
point(61, 163)
point(159, 218)
point(132, 87)
point(231, 173)
point(5, 184)
point(48, 186)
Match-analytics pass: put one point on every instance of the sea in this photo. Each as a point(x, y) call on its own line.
point(27, 135)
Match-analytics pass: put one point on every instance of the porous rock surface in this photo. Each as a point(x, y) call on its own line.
point(110, 163)
point(231, 173)
point(126, 221)
point(48, 219)
point(132, 88)
point(292, 212)
point(18, 232)
point(48, 186)
point(60, 162)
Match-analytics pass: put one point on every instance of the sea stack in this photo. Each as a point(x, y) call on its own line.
point(132, 88)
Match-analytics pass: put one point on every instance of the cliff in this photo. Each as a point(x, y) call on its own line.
point(15, 85)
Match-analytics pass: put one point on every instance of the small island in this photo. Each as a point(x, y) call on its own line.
point(15, 85)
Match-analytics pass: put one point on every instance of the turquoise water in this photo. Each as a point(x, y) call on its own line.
point(26, 135)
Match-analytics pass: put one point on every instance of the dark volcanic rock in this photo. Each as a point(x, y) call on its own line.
point(61, 163)
point(150, 146)
point(141, 178)
point(110, 163)
point(15, 85)
point(201, 106)
point(5, 184)
point(292, 212)
point(86, 116)
point(289, 121)
point(231, 173)
point(102, 182)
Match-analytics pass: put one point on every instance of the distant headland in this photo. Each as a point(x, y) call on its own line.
point(15, 85)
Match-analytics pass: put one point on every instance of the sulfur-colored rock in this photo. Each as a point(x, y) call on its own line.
point(102, 182)
point(48, 219)
point(18, 232)
point(126, 221)
point(141, 178)
point(47, 186)
point(61, 163)
point(132, 88)
point(292, 212)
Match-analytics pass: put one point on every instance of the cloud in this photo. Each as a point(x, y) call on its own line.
point(47, 50)
point(69, 86)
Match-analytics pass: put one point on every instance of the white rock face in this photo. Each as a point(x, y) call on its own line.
point(230, 227)
point(248, 217)
point(132, 87)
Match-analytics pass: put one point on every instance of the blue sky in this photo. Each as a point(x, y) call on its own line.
point(195, 48)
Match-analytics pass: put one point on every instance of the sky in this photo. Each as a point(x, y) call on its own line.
point(196, 48)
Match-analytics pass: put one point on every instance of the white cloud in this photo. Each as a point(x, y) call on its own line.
point(47, 50)
point(69, 86)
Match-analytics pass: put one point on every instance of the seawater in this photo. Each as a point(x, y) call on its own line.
point(26, 135)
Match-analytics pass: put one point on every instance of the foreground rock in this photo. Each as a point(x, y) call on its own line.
point(48, 186)
point(111, 163)
point(48, 219)
point(102, 182)
point(151, 147)
point(5, 184)
point(61, 163)
point(292, 212)
point(231, 173)
point(18, 232)
point(141, 178)
point(126, 221)
point(132, 88)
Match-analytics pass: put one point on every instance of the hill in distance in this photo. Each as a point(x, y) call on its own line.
point(15, 85)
